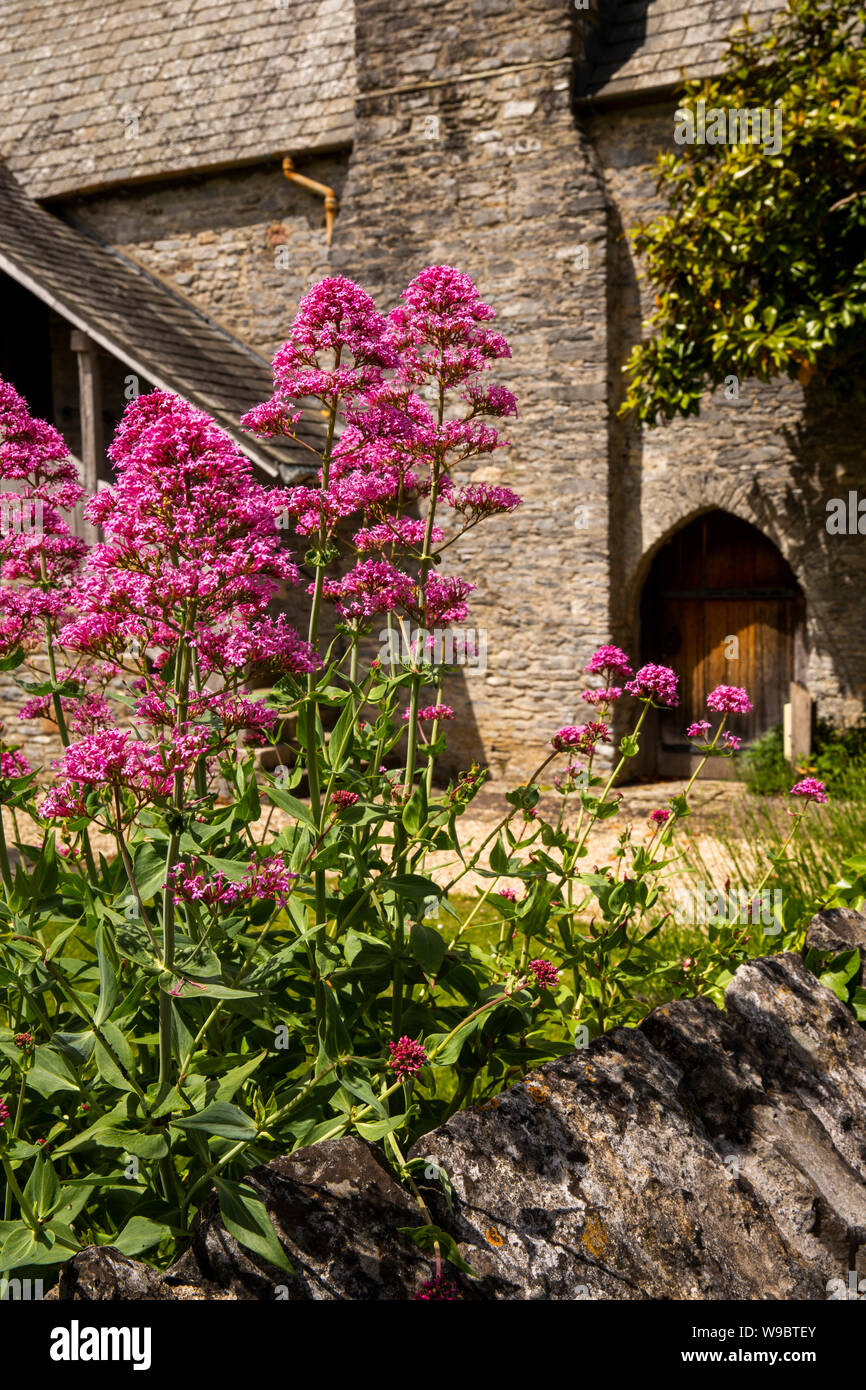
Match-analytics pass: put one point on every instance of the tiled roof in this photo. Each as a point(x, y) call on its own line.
point(142, 322)
point(642, 45)
point(100, 92)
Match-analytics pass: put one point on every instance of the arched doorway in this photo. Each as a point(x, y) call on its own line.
point(722, 607)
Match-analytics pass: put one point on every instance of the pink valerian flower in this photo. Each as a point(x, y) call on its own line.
point(698, 729)
point(546, 974)
point(190, 884)
point(432, 712)
point(611, 660)
point(478, 500)
point(566, 781)
point(810, 788)
point(343, 800)
point(271, 641)
point(84, 714)
point(439, 1289)
point(39, 556)
point(729, 699)
point(659, 817)
point(602, 697)
point(407, 1057)
point(401, 533)
point(731, 742)
point(442, 601)
point(335, 319)
point(688, 963)
point(268, 879)
point(489, 399)
point(655, 684)
point(4, 1113)
point(186, 525)
point(116, 758)
point(63, 802)
point(437, 329)
point(583, 737)
point(33, 450)
point(24, 1041)
point(508, 893)
point(372, 586)
point(14, 764)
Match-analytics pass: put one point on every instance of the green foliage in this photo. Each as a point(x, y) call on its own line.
point(759, 264)
point(838, 760)
point(765, 768)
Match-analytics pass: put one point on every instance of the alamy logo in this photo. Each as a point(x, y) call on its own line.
point(75, 1343)
point(441, 647)
point(704, 906)
point(25, 1290)
point(20, 514)
point(846, 518)
point(728, 125)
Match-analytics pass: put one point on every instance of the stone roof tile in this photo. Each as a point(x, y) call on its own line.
point(88, 68)
point(641, 45)
point(143, 323)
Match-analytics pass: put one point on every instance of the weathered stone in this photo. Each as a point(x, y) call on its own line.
point(839, 929)
point(703, 1155)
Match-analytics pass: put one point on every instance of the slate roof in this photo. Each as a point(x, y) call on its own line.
point(148, 326)
point(210, 83)
point(644, 45)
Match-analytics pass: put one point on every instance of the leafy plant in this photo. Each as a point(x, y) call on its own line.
point(216, 991)
point(758, 266)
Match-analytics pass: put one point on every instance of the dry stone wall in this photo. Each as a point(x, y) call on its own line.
point(704, 1155)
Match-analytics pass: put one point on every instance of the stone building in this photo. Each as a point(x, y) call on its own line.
point(147, 232)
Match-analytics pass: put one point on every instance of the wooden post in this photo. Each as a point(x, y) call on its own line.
point(801, 722)
point(90, 408)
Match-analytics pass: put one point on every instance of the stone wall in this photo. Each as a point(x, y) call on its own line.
point(701, 1156)
point(468, 150)
point(243, 246)
point(774, 456)
point(489, 173)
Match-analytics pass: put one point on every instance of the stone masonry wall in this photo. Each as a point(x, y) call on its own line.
point(489, 173)
point(243, 246)
point(773, 457)
point(468, 151)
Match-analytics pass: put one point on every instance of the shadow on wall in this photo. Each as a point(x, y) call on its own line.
point(617, 30)
point(828, 479)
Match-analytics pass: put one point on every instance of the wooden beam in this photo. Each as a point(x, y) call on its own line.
point(90, 408)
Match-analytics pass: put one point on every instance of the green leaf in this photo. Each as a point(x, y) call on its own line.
point(43, 1189)
point(296, 808)
point(341, 737)
point(140, 1234)
point(373, 1130)
point(108, 984)
point(245, 1216)
point(149, 867)
point(21, 1249)
point(221, 1119)
point(105, 1062)
point(427, 947)
point(234, 1079)
point(15, 658)
point(148, 1146)
point(428, 1237)
point(415, 811)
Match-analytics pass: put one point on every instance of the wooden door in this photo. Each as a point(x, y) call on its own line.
point(721, 606)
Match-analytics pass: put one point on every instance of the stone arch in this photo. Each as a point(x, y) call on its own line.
point(720, 603)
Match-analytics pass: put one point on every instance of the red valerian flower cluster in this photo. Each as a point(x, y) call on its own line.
point(407, 1057)
point(375, 374)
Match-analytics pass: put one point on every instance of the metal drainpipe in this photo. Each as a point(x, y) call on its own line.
point(332, 202)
